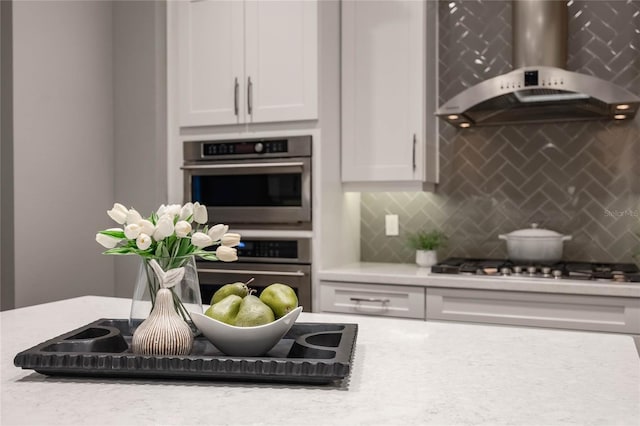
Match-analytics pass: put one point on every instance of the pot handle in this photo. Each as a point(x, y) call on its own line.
point(566, 237)
point(502, 237)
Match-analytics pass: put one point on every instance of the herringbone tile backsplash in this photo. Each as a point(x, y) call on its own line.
point(580, 178)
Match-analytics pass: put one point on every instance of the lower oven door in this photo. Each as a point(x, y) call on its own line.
point(213, 275)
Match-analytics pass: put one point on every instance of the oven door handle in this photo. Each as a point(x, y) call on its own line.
point(242, 165)
point(252, 272)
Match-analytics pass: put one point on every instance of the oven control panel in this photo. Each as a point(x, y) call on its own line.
point(196, 152)
point(280, 249)
point(253, 147)
point(273, 250)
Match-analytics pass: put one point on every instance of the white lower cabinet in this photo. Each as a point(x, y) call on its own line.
point(518, 308)
point(372, 299)
point(566, 311)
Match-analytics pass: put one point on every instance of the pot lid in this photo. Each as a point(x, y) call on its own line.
point(535, 232)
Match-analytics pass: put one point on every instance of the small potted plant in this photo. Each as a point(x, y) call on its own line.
point(426, 243)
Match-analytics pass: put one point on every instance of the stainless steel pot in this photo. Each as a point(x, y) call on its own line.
point(534, 245)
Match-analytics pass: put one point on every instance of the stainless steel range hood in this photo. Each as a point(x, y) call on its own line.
point(539, 89)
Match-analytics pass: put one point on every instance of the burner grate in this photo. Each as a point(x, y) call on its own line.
point(614, 272)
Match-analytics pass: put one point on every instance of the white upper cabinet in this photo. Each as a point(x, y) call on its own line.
point(388, 127)
point(246, 61)
point(210, 62)
point(282, 59)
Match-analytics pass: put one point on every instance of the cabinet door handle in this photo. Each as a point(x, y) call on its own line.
point(369, 299)
point(414, 152)
point(249, 95)
point(252, 272)
point(236, 89)
point(242, 165)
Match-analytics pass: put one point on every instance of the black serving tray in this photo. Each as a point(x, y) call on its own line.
point(308, 353)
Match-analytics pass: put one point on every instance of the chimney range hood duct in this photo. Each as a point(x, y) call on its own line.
point(539, 89)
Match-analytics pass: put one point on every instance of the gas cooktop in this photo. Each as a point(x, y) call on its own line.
point(615, 272)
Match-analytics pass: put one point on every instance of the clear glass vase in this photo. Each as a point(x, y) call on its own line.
point(186, 294)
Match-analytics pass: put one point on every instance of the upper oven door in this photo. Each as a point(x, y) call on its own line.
point(247, 191)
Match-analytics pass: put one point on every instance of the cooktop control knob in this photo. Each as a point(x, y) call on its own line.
point(258, 147)
point(557, 274)
point(517, 270)
point(505, 271)
point(531, 270)
point(546, 271)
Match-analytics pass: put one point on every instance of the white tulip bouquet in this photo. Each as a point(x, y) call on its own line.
point(171, 236)
point(168, 234)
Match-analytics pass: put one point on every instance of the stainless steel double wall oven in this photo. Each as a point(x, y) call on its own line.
point(263, 188)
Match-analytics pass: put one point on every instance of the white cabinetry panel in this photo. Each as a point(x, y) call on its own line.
point(594, 313)
point(384, 93)
point(246, 61)
point(281, 60)
point(211, 61)
point(382, 300)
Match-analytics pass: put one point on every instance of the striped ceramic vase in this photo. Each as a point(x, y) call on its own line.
point(164, 332)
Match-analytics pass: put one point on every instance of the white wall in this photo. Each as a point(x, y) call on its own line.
point(338, 226)
point(7, 297)
point(140, 168)
point(63, 148)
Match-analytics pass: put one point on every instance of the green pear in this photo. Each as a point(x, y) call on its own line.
point(253, 312)
point(225, 310)
point(280, 298)
point(239, 289)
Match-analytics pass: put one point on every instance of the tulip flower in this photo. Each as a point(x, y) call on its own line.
point(147, 227)
point(107, 241)
point(164, 228)
point(161, 210)
point(143, 241)
point(230, 239)
point(132, 231)
point(182, 228)
point(226, 254)
point(173, 210)
point(200, 214)
point(186, 211)
point(133, 216)
point(118, 213)
point(201, 240)
point(217, 231)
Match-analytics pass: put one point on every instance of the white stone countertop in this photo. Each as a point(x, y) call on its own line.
point(404, 372)
point(411, 274)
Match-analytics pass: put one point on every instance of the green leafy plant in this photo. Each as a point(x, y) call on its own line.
point(427, 240)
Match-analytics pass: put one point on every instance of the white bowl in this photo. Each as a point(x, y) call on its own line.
point(245, 341)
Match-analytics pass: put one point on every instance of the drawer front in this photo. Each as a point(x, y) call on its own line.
point(372, 299)
point(573, 312)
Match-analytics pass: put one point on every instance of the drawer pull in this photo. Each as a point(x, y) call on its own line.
point(369, 299)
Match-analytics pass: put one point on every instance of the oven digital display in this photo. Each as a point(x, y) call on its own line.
point(240, 148)
point(530, 78)
point(274, 249)
point(280, 249)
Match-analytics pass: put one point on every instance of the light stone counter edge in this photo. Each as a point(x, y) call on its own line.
point(412, 275)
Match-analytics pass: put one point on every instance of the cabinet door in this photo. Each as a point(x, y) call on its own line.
point(383, 90)
point(210, 68)
point(281, 60)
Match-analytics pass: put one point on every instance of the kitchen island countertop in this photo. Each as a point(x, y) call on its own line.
point(404, 372)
